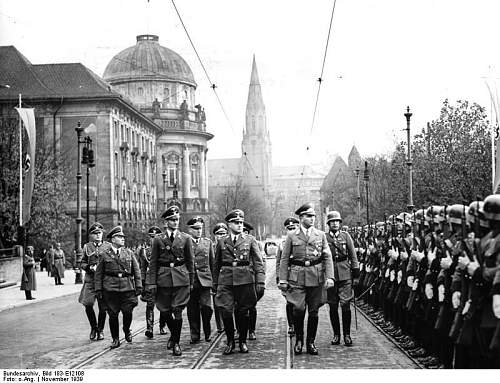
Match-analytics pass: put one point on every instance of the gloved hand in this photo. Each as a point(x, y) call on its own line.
point(98, 294)
point(392, 276)
point(463, 262)
point(329, 283)
point(400, 276)
point(472, 267)
point(441, 293)
point(417, 255)
point(403, 255)
point(93, 267)
point(371, 249)
point(138, 290)
point(446, 262)
point(393, 254)
point(409, 281)
point(259, 289)
point(387, 271)
point(455, 299)
point(152, 288)
point(429, 291)
point(496, 305)
point(431, 255)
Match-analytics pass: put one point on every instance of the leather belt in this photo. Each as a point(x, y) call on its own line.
point(236, 263)
point(340, 259)
point(119, 275)
point(171, 264)
point(306, 263)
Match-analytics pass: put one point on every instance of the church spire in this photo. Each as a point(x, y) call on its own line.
point(254, 79)
point(255, 103)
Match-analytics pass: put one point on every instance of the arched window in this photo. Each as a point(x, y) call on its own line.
point(195, 171)
point(140, 91)
point(166, 95)
point(253, 123)
point(185, 94)
point(172, 170)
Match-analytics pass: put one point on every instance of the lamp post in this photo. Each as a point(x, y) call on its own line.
point(88, 159)
point(409, 161)
point(357, 172)
point(79, 219)
point(366, 178)
point(164, 175)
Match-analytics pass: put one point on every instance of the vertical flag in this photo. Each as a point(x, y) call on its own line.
point(27, 116)
point(495, 103)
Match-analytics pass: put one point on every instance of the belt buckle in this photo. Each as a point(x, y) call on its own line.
point(120, 275)
point(171, 264)
point(307, 263)
point(235, 263)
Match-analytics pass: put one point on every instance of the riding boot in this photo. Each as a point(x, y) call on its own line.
point(312, 328)
point(206, 316)
point(89, 310)
point(113, 326)
point(127, 321)
point(149, 320)
point(298, 322)
point(229, 329)
point(346, 326)
point(335, 322)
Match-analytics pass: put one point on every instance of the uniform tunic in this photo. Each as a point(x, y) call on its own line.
point(90, 258)
point(58, 260)
point(306, 263)
point(144, 260)
point(118, 277)
point(171, 270)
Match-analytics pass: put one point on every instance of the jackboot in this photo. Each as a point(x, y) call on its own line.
point(243, 330)
point(335, 322)
point(299, 333)
point(176, 349)
point(150, 318)
point(127, 321)
point(312, 328)
point(346, 327)
point(229, 329)
point(89, 310)
point(206, 317)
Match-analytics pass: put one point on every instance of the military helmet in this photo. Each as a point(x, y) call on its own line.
point(455, 213)
point(404, 217)
point(475, 213)
point(491, 207)
point(345, 228)
point(418, 216)
point(333, 216)
point(435, 213)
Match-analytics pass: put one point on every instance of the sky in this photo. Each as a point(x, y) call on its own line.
point(382, 56)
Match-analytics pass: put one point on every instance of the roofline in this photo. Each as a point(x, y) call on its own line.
point(206, 135)
point(121, 80)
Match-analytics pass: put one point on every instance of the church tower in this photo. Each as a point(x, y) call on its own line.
point(256, 144)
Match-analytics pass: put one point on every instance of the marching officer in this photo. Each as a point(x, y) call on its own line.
point(346, 268)
point(170, 276)
point(219, 231)
point(144, 261)
point(87, 298)
point(291, 224)
point(306, 268)
point(239, 276)
point(200, 301)
point(58, 262)
point(118, 281)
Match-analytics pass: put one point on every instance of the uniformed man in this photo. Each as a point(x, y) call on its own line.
point(58, 262)
point(291, 224)
point(88, 297)
point(306, 268)
point(346, 268)
point(219, 231)
point(239, 276)
point(171, 274)
point(144, 261)
point(200, 301)
point(118, 281)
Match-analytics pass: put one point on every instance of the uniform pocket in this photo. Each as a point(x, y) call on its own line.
point(293, 274)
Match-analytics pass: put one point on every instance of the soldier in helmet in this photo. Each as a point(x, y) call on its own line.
point(346, 269)
point(200, 301)
point(219, 231)
point(118, 282)
point(171, 275)
point(306, 268)
point(144, 259)
point(239, 276)
point(88, 297)
point(291, 224)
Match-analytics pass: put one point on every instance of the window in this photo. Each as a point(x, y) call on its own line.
point(172, 170)
point(115, 124)
point(116, 165)
point(195, 170)
point(166, 95)
point(253, 123)
point(185, 94)
point(121, 131)
point(140, 91)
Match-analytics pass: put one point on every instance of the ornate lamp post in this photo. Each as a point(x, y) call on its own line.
point(409, 161)
point(366, 178)
point(78, 245)
point(357, 172)
point(88, 159)
point(164, 175)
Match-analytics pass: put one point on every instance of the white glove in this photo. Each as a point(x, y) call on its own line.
point(400, 276)
point(441, 293)
point(418, 256)
point(472, 267)
point(431, 255)
point(446, 263)
point(93, 267)
point(386, 273)
point(393, 254)
point(415, 285)
point(429, 291)
point(404, 255)
point(410, 280)
point(496, 305)
point(393, 276)
point(362, 250)
point(463, 261)
point(455, 299)
point(371, 248)
point(368, 268)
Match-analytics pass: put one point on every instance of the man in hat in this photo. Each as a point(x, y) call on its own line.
point(28, 277)
point(118, 281)
point(57, 261)
point(87, 298)
point(306, 268)
point(346, 268)
point(239, 276)
point(219, 231)
point(144, 260)
point(291, 224)
point(200, 301)
point(171, 275)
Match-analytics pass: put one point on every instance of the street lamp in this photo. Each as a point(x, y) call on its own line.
point(164, 175)
point(366, 178)
point(78, 245)
point(88, 159)
point(409, 161)
point(357, 172)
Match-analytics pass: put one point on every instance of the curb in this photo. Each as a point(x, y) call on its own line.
point(26, 303)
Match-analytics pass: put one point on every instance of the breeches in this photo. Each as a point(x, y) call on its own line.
point(341, 293)
point(119, 301)
point(300, 296)
point(243, 297)
point(172, 299)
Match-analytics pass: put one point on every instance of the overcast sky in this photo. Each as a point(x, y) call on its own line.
point(383, 55)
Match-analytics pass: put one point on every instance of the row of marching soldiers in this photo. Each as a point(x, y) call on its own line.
point(431, 280)
point(176, 271)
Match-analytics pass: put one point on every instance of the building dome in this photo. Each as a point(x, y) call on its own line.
point(148, 60)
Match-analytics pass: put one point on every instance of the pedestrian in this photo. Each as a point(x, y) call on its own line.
point(219, 231)
point(291, 224)
point(144, 260)
point(28, 278)
point(346, 271)
point(200, 300)
point(118, 282)
point(239, 276)
point(57, 261)
point(49, 254)
point(170, 275)
point(89, 261)
point(306, 268)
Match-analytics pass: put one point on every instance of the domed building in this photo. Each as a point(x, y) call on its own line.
point(161, 85)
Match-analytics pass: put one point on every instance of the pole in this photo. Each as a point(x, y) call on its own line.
point(79, 219)
point(20, 167)
point(88, 198)
point(358, 173)
point(409, 161)
point(367, 178)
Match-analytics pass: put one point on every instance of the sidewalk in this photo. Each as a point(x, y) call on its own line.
point(11, 297)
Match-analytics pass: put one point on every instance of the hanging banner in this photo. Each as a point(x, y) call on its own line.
point(27, 116)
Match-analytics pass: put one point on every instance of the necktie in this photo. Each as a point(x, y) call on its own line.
point(234, 239)
point(172, 237)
